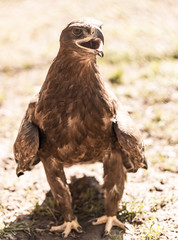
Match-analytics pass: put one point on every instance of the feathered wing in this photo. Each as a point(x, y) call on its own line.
point(26, 145)
point(130, 141)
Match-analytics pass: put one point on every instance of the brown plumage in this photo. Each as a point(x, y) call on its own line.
point(75, 120)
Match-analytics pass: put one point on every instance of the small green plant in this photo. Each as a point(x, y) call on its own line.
point(7, 70)
point(116, 78)
point(130, 210)
point(48, 209)
point(37, 209)
point(28, 66)
point(115, 237)
point(158, 117)
point(89, 205)
point(152, 230)
point(154, 67)
point(21, 226)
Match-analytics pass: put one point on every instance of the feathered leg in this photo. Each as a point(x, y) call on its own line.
point(61, 193)
point(114, 179)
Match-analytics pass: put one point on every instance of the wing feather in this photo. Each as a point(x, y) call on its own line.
point(130, 141)
point(26, 145)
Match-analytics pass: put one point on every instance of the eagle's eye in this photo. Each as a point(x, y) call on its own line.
point(77, 31)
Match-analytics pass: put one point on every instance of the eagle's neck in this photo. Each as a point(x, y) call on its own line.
point(77, 78)
point(74, 68)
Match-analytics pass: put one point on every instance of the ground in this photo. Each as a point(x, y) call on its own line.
point(141, 65)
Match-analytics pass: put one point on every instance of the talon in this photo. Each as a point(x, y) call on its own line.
point(80, 229)
point(126, 227)
point(63, 235)
point(128, 230)
point(105, 234)
point(92, 220)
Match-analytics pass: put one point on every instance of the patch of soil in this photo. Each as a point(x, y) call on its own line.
point(88, 203)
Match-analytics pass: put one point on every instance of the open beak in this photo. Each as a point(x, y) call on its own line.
point(100, 38)
point(95, 43)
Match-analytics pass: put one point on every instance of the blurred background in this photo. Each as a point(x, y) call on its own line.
point(140, 63)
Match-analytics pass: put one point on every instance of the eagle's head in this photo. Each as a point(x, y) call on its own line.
point(83, 37)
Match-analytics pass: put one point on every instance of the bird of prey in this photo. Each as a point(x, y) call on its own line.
point(74, 120)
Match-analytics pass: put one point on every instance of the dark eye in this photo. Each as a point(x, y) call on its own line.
point(77, 31)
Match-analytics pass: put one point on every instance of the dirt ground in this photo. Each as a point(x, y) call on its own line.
point(141, 65)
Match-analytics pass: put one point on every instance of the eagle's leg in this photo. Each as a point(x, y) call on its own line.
point(114, 179)
point(61, 193)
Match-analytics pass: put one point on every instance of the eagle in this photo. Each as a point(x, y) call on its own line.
point(75, 120)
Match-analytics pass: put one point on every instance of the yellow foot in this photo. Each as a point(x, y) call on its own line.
point(110, 222)
point(67, 227)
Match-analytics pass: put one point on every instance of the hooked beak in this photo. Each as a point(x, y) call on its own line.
point(99, 35)
point(94, 42)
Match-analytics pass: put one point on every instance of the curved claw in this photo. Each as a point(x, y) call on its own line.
point(129, 230)
point(63, 235)
point(92, 220)
point(67, 227)
point(105, 234)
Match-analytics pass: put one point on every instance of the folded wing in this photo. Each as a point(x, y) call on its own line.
point(26, 146)
point(130, 141)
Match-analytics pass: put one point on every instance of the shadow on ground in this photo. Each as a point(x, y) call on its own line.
point(88, 203)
